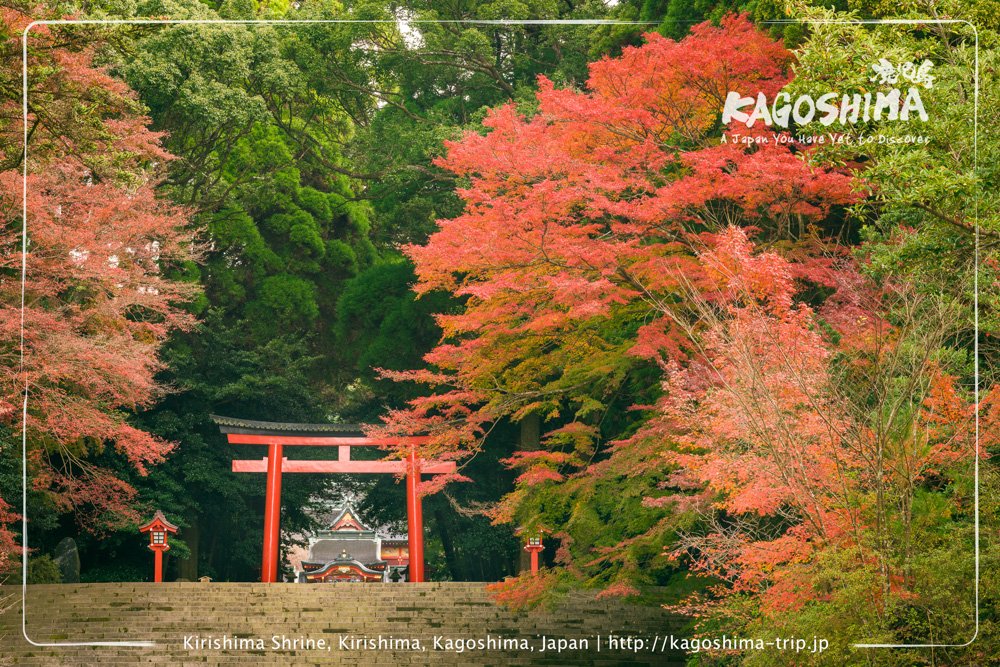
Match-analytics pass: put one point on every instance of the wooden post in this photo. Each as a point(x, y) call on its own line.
point(415, 520)
point(158, 566)
point(272, 515)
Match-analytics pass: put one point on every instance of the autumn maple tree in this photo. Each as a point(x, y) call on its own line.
point(799, 429)
point(585, 225)
point(613, 233)
point(98, 299)
point(593, 207)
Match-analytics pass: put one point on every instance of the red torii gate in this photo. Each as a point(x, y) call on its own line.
point(277, 435)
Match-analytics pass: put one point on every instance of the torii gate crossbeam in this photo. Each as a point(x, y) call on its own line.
point(275, 436)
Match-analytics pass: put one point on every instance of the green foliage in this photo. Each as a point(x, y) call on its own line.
point(42, 569)
point(674, 18)
point(117, 571)
point(259, 141)
point(433, 85)
point(283, 301)
point(381, 324)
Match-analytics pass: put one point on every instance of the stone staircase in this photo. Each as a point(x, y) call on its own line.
point(236, 623)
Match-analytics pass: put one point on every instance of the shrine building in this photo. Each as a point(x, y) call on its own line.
point(350, 551)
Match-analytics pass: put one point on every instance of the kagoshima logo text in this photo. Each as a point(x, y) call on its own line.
point(847, 108)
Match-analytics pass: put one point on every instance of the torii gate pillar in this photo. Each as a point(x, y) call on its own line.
point(415, 519)
point(272, 515)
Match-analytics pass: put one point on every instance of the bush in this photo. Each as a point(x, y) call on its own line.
point(43, 570)
point(116, 572)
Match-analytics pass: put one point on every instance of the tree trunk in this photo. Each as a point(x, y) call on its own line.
point(450, 557)
point(211, 555)
point(192, 535)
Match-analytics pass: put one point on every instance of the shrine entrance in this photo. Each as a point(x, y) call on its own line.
point(276, 436)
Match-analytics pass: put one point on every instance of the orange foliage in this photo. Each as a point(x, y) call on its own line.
point(98, 302)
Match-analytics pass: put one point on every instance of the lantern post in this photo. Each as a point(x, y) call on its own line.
point(158, 528)
point(534, 547)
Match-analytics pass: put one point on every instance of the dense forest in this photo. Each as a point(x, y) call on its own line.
point(718, 366)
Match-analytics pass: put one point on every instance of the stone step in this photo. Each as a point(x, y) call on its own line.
point(168, 614)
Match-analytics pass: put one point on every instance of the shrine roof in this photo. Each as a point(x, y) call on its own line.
point(254, 427)
point(360, 548)
point(162, 520)
point(348, 515)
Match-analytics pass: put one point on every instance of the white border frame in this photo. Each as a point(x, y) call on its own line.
point(500, 22)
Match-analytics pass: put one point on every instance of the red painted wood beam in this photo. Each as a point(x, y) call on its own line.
point(352, 467)
point(273, 465)
point(414, 519)
point(322, 440)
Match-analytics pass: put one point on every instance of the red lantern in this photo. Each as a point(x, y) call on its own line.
point(534, 547)
point(158, 528)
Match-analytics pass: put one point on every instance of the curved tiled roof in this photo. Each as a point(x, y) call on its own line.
point(327, 550)
point(339, 514)
point(252, 426)
point(158, 516)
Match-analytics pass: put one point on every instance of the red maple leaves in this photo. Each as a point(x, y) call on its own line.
point(593, 211)
point(798, 436)
point(613, 223)
point(97, 299)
